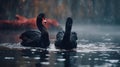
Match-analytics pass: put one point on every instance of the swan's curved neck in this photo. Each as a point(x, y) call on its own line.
point(44, 33)
point(68, 28)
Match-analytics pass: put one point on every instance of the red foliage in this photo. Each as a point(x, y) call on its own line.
point(21, 20)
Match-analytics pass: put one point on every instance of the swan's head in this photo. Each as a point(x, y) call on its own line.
point(41, 15)
point(69, 23)
point(41, 18)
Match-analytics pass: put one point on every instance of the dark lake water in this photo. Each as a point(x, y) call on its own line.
point(98, 46)
point(44, 58)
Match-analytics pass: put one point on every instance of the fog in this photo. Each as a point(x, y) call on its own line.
point(96, 22)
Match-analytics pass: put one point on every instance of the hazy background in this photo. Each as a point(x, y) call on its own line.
point(89, 11)
point(96, 22)
point(93, 19)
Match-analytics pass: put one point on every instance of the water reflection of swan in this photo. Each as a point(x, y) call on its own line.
point(34, 38)
point(66, 40)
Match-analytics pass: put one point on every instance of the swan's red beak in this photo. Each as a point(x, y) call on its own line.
point(44, 20)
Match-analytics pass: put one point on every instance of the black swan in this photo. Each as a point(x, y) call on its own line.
point(34, 38)
point(66, 40)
